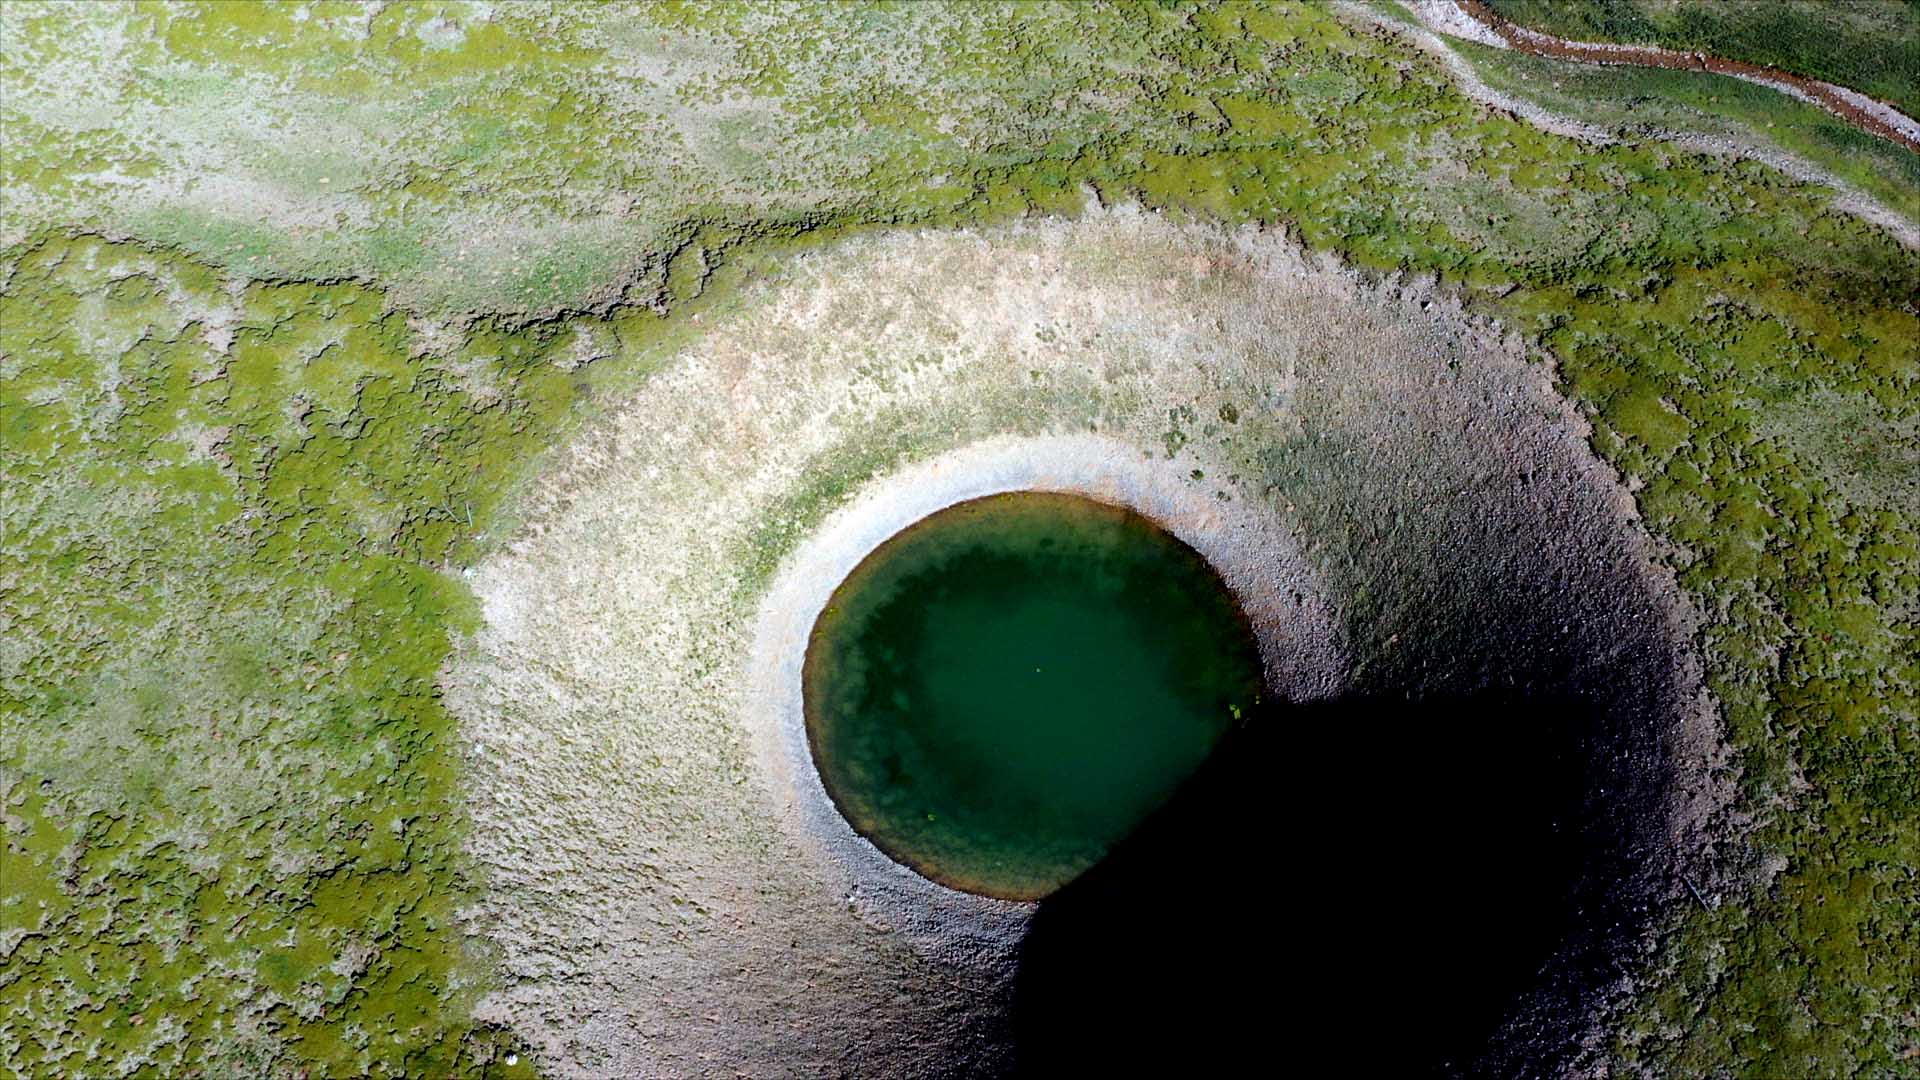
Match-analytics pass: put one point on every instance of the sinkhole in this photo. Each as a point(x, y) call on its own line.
point(1002, 692)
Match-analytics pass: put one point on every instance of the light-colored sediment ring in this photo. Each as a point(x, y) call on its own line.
point(1245, 543)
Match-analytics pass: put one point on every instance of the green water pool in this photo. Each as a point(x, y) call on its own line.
point(1004, 690)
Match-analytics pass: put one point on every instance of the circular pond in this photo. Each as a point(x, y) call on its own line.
point(1005, 689)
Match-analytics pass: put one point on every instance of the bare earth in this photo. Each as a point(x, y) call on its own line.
point(669, 892)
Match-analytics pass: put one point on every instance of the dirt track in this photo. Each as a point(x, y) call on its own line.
point(1839, 101)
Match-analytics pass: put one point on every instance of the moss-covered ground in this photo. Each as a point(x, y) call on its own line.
point(293, 295)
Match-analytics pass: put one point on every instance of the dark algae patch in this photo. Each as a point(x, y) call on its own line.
point(1001, 692)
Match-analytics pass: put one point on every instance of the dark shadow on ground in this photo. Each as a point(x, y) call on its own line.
point(1369, 885)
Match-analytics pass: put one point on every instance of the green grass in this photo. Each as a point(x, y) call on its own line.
point(1872, 46)
point(226, 606)
point(238, 485)
point(1652, 100)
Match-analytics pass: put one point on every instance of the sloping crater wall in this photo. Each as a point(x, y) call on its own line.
point(1490, 754)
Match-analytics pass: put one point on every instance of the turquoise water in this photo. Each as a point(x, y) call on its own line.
point(1004, 690)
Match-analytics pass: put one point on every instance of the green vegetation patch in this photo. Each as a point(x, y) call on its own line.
point(1648, 102)
point(1872, 46)
point(230, 513)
